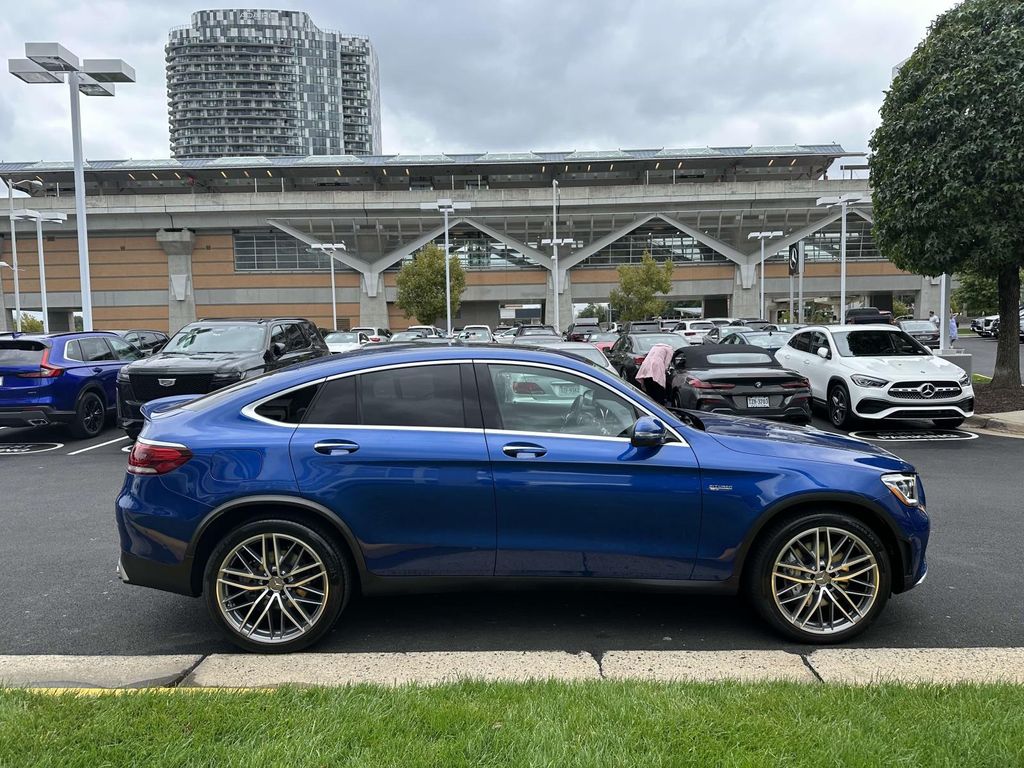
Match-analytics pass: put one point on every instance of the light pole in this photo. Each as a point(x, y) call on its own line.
point(446, 206)
point(47, 63)
point(554, 243)
point(11, 184)
point(330, 249)
point(762, 236)
point(39, 218)
point(843, 201)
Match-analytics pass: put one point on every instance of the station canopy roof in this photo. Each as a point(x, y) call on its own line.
point(440, 171)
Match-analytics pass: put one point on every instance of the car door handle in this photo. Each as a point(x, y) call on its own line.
point(525, 450)
point(336, 447)
point(97, 370)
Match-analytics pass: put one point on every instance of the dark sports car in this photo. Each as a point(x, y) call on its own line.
point(741, 379)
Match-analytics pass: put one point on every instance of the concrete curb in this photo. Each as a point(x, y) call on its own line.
point(250, 672)
point(994, 424)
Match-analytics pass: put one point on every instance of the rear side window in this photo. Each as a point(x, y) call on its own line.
point(21, 352)
point(801, 342)
point(336, 403)
point(289, 408)
point(73, 351)
point(96, 351)
point(418, 396)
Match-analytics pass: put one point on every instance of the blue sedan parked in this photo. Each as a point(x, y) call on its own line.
point(61, 378)
point(406, 468)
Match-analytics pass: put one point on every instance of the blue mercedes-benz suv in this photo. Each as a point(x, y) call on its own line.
point(411, 468)
point(61, 378)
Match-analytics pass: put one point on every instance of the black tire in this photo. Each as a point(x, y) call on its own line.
point(133, 433)
point(947, 423)
point(840, 412)
point(90, 417)
point(336, 582)
point(775, 541)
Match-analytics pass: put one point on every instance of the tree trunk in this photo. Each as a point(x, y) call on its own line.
point(1007, 373)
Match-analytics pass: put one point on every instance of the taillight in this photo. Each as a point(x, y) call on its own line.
point(150, 459)
point(689, 333)
point(46, 370)
point(701, 384)
point(375, 339)
point(638, 359)
point(527, 388)
point(797, 384)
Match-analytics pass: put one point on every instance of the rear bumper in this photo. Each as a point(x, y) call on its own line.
point(148, 573)
point(33, 416)
point(799, 413)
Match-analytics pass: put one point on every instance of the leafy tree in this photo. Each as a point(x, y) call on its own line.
point(421, 285)
point(30, 324)
point(978, 294)
point(595, 310)
point(947, 165)
point(636, 296)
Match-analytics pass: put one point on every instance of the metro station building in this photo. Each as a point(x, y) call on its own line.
point(171, 241)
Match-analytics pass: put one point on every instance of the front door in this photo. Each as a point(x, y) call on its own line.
point(574, 497)
point(399, 455)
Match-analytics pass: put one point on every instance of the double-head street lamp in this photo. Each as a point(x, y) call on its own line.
point(446, 206)
point(39, 218)
point(330, 249)
point(762, 236)
point(47, 63)
point(843, 201)
point(11, 184)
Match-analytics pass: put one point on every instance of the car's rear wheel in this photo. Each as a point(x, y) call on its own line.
point(947, 423)
point(276, 586)
point(90, 415)
point(820, 578)
point(840, 412)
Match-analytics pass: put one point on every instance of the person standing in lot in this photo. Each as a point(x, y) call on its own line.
point(933, 318)
point(652, 375)
point(953, 328)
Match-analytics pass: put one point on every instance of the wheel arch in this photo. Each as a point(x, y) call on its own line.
point(95, 387)
point(864, 510)
point(238, 511)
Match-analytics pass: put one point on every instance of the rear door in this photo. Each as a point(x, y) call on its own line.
point(102, 364)
point(573, 496)
point(399, 454)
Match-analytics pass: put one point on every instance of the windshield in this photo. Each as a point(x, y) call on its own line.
point(645, 341)
point(878, 344)
point(700, 326)
point(917, 325)
point(772, 340)
point(342, 338)
point(476, 333)
point(538, 330)
point(199, 339)
point(602, 337)
point(408, 335)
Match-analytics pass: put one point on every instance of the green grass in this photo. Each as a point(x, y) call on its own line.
point(980, 378)
point(536, 724)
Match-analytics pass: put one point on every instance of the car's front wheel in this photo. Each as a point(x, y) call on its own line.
point(276, 586)
point(820, 578)
point(840, 412)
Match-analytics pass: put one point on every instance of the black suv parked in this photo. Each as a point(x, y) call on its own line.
point(210, 354)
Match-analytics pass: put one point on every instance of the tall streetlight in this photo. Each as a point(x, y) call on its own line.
point(11, 184)
point(39, 218)
point(554, 242)
point(446, 206)
point(762, 236)
point(48, 63)
point(843, 201)
point(330, 249)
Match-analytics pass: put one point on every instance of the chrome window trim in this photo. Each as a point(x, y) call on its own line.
point(249, 411)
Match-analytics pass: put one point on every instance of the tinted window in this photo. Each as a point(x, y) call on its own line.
point(336, 403)
point(418, 396)
point(295, 339)
point(124, 350)
point(819, 340)
point(277, 336)
point(543, 400)
point(199, 339)
point(289, 408)
point(21, 352)
point(95, 350)
point(644, 341)
point(801, 342)
point(340, 337)
point(878, 344)
point(73, 351)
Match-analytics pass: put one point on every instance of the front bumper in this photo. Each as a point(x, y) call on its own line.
point(33, 416)
point(877, 409)
point(129, 413)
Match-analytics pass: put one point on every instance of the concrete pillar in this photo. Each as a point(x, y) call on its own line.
point(181, 299)
point(61, 320)
point(564, 301)
point(746, 296)
point(373, 309)
point(929, 297)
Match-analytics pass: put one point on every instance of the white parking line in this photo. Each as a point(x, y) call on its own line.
point(99, 445)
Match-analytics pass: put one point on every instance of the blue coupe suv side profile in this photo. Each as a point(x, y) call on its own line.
point(61, 378)
point(411, 468)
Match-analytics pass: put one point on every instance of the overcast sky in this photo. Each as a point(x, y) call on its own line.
point(514, 75)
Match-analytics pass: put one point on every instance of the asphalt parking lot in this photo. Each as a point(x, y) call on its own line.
point(62, 596)
point(983, 353)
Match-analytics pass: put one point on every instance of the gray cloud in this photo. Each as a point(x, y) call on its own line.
point(512, 75)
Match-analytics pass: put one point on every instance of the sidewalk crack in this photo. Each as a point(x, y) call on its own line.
point(806, 659)
point(177, 681)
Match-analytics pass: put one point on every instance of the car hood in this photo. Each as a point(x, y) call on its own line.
point(903, 367)
point(788, 441)
point(200, 363)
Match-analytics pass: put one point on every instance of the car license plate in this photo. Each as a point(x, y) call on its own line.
point(567, 390)
point(758, 402)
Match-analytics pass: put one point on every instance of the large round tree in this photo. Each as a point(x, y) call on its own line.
point(947, 163)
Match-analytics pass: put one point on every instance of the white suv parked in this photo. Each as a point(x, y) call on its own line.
point(878, 372)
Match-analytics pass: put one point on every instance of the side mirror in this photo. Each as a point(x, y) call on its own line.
point(823, 353)
point(647, 432)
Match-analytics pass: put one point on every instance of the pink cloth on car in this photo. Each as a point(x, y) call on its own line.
point(656, 364)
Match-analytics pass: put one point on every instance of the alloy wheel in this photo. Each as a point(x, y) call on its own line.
point(838, 406)
point(272, 588)
point(92, 415)
point(825, 580)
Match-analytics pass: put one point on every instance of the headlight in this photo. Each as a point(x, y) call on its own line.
point(965, 380)
point(227, 377)
point(903, 487)
point(122, 376)
point(868, 381)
